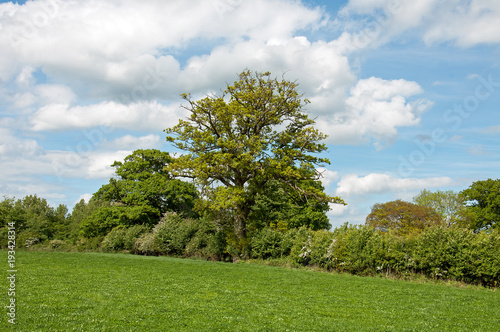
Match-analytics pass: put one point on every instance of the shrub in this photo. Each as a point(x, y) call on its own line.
point(114, 240)
point(89, 244)
point(209, 241)
point(445, 253)
point(267, 243)
point(300, 248)
point(132, 234)
point(144, 245)
point(173, 233)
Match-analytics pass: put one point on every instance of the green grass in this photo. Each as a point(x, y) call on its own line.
point(59, 291)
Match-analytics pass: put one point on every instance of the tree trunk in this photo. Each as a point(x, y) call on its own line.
point(240, 221)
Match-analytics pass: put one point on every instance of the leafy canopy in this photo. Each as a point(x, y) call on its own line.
point(483, 200)
point(449, 204)
point(140, 194)
point(403, 218)
point(255, 132)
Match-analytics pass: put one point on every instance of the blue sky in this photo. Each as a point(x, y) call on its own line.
point(408, 92)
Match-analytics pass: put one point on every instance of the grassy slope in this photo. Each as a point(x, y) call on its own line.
point(118, 292)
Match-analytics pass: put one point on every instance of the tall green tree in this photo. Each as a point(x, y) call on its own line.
point(141, 192)
point(143, 181)
point(256, 131)
point(482, 198)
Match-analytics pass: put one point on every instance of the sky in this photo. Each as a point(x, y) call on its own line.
point(408, 92)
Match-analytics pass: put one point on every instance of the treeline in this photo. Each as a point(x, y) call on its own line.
point(251, 157)
point(441, 235)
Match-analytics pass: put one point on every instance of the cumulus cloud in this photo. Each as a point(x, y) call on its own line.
point(109, 39)
point(136, 116)
point(375, 109)
point(328, 176)
point(465, 23)
point(376, 183)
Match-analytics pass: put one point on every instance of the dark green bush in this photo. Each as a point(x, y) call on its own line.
point(267, 243)
point(114, 240)
point(173, 233)
point(209, 242)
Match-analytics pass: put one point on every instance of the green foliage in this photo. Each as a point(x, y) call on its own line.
point(402, 217)
point(114, 240)
point(449, 204)
point(105, 218)
point(209, 242)
point(483, 201)
point(34, 219)
point(275, 207)
point(232, 141)
point(267, 243)
point(173, 233)
point(123, 238)
point(142, 192)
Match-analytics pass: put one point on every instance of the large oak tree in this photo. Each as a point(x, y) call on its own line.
point(256, 131)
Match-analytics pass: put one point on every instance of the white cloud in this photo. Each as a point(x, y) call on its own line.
point(465, 23)
point(137, 116)
point(85, 197)
point(328, 176)
point(374, 110)
point(337, 209)
point(102, 40)
point(375, 183)
point(52, 93)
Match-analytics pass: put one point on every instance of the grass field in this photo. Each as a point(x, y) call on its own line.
point(58, 291)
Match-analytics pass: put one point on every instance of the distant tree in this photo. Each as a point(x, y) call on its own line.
point(142, 191)
point(254, 133)
point(482, 199)
point(449, 204)
point(404, 218)
point(34, 218)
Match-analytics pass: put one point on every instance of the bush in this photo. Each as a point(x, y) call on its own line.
point(267, 243)
point(89, 244)
point(486, 258)
point(209, 242)
point(132, 234)
point(173, 233)
point(57, 244)
point(300, 239)
point(144, 245)
point(114, 240)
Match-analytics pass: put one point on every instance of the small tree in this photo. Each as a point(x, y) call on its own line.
point(402, 217)
point(449, 204)
point(255, 132)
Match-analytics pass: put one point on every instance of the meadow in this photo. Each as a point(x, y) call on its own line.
point(69, 291)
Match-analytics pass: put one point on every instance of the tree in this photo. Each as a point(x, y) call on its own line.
point(254, 132)
point(143, 181)
point(402, 217)
point(34, 218)
point(141, 193)
point(482, 198)
point(449, 204)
